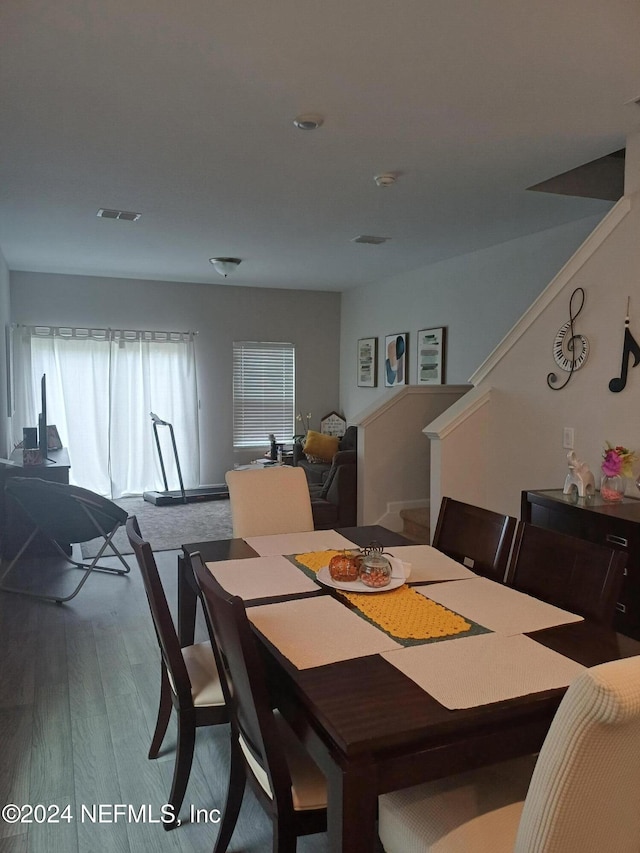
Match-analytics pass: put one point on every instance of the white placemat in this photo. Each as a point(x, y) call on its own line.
point(472, 671)
point(499, 608)
point(298, 543)
point(429, 564)
point(317, 631)
point(261, 577)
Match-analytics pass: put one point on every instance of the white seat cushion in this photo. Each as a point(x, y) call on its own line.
point(475, 811)
point(203, 674)
point(308, 785)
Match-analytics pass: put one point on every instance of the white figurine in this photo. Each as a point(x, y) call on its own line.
point(579, 476)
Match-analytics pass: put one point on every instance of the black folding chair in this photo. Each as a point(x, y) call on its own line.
point(65, 514)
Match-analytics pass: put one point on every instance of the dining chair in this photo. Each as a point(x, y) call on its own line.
point(189, 677)
point(264, 750)
point(581, 794)
point(269, 500)
point(476, 537)
point(571, 573)
point(61, 513)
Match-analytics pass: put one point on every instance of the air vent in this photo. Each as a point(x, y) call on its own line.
point(370, 239)
point(126, 215)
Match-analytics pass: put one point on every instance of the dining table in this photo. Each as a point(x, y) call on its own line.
point(378, 714)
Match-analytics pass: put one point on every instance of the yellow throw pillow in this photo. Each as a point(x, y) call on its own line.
point(321, 447)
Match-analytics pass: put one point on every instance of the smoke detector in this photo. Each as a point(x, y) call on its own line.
point(387, 179)
point(308, 121)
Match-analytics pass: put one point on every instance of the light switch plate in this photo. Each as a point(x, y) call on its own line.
point(567, 438)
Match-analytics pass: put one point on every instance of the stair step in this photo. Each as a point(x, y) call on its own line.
point(415, 524)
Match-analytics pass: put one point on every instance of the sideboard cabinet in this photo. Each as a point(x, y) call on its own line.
point(614, 524)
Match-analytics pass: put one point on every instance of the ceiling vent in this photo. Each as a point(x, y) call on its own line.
point(370, 239)
point(126, 215)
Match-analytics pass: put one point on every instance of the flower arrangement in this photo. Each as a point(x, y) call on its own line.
point(307, 419)
point(617, 461)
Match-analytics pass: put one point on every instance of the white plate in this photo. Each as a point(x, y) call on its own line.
point(324, 577)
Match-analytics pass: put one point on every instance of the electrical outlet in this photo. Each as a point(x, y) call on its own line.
point(567, 438)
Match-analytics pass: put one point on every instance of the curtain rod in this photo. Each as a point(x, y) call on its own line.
point(85, 332)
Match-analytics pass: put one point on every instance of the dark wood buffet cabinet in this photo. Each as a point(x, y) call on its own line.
point(614, 524)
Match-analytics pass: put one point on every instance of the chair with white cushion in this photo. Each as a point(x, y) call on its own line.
point(269, 500)
point(264, 750)
point(583, 796)
point(189, 677)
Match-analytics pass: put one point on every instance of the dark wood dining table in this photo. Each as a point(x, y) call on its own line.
point(372, 730)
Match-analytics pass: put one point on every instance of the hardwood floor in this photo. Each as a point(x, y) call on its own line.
point(79, 688)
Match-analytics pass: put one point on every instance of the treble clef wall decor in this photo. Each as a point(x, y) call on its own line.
point(630, 347)
point(570, 350)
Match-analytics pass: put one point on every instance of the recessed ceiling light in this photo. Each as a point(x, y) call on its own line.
point(308, 121)
point(125, 215)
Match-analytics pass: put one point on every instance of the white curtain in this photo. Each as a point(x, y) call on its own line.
point(101, 387)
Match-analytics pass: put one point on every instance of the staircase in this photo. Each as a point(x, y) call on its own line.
point(415, 524)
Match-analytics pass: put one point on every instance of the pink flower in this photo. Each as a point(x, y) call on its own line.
point(612, 464)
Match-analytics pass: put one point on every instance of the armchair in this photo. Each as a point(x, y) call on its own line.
point(334, 503)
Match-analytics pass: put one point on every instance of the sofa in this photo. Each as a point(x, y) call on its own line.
point(334, 503)
point(316, 469)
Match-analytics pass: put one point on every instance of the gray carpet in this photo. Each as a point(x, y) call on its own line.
point(167, 528)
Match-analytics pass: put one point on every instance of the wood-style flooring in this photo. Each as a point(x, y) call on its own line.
point(79, 688)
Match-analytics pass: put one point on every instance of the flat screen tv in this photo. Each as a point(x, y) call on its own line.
point(42, 419)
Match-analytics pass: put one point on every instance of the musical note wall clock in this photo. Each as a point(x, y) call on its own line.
point(630, 347)
point(570, 350)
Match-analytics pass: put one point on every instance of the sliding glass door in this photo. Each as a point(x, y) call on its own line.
point(101, 387)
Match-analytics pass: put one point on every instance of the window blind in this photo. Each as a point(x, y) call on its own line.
point(263, 392)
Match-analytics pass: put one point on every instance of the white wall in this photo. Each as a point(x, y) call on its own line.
point(521, 447)
point(478, 297)
point(5, 315)
point(221, 314)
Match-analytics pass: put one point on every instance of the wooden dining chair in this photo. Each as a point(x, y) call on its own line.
point(478, 538)
point(264, 750)
point(189, 677)
point(582, 794)
point(269, 500)
point(571, 573)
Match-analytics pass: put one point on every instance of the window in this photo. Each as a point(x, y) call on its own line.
point(263, 392)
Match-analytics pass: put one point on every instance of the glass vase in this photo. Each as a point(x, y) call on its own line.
point(612, 488)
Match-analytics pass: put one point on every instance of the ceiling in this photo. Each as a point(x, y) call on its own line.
point(183, 112)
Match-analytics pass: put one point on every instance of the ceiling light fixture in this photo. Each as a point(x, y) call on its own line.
point(224, 266)
point(308, 121)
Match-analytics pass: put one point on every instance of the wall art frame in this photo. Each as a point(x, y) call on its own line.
point(395, 359)
point(431, 356)
point(368, 363)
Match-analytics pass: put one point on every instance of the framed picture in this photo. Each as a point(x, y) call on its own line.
point(368, 362)
point(395, 359)
point(431, 356)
